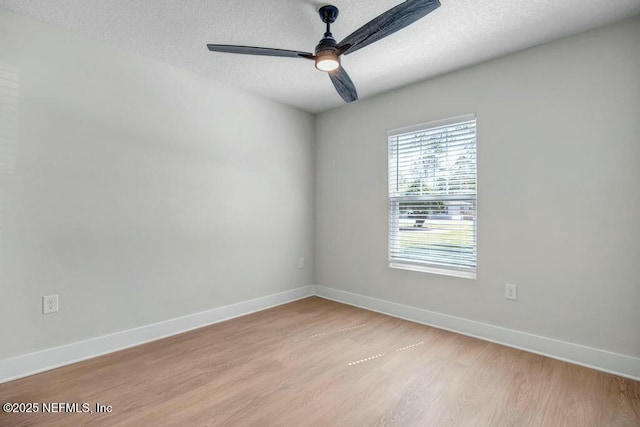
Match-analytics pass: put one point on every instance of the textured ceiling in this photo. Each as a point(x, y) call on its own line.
point(458, 34)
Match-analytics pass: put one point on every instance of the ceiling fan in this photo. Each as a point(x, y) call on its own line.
point(328, 52)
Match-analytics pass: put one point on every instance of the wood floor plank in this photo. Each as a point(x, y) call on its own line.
point(316, 362)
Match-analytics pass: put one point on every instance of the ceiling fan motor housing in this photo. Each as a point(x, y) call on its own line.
point(327, 45)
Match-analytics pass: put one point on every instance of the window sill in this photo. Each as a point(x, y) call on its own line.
point(434, 270)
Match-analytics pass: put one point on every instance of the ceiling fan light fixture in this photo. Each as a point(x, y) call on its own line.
point(327, 61)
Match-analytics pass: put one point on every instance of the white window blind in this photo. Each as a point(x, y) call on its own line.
point(432, 197)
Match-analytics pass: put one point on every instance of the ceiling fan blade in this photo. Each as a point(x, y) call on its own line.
point(389, 22)
point(343, 84)
point(265, 51)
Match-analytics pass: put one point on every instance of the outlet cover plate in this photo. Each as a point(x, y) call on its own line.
point(49, 304)
point(511, 292)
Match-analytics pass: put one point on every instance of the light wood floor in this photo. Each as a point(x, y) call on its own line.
point(317, 362)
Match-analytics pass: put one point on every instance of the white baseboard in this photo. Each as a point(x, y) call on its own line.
point(33, 363)
point(614, 363)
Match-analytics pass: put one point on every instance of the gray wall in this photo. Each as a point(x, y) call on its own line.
point(559, 205)
point(138, 192)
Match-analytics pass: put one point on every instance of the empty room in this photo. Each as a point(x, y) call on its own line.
point(291, 213)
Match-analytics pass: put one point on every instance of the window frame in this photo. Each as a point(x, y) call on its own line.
point(394, 227)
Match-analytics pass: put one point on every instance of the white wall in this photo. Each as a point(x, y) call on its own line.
point(558, 176)
point(138, 192)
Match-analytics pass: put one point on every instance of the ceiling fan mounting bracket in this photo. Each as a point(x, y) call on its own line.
point(328, 14)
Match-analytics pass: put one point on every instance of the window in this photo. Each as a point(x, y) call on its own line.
point(432, 197)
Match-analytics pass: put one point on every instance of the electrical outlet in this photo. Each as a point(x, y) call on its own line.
point(301, 263)
point(511, 292)
point(50, 304)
